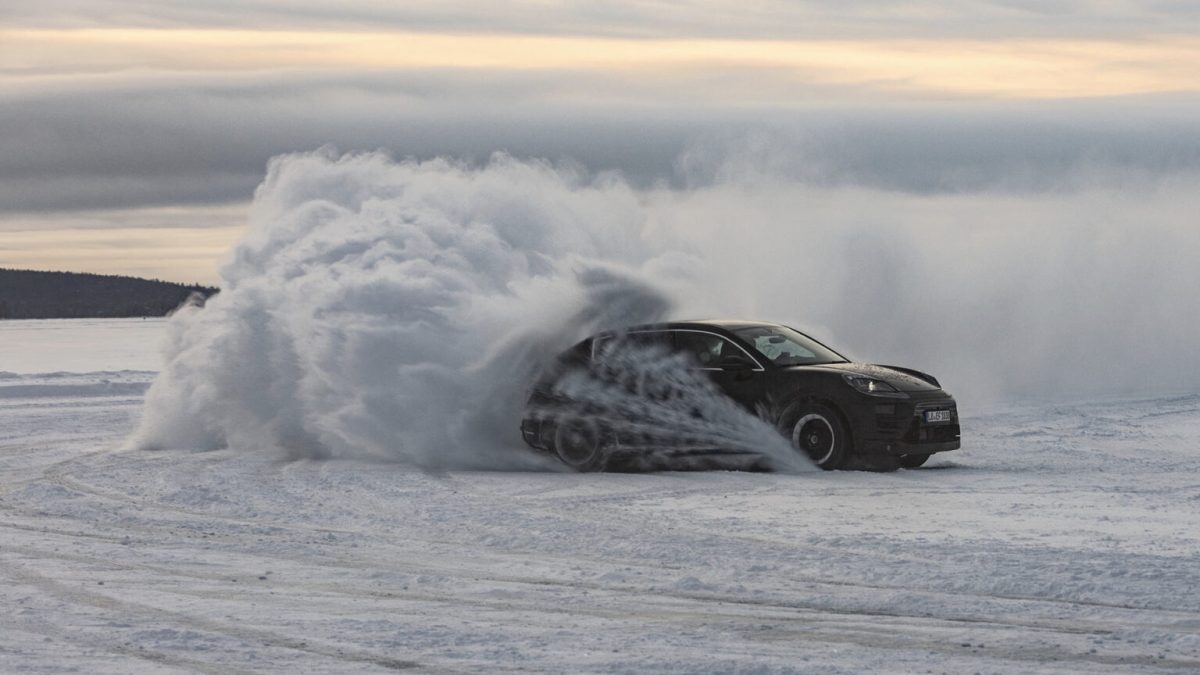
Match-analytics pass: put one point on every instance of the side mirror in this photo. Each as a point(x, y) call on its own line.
point(735, 362)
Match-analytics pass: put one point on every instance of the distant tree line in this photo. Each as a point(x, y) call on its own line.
point(27, 294)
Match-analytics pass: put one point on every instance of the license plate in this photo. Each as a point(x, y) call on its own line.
point(937, 415)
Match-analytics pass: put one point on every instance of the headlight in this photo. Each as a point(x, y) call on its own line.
point(873, 387)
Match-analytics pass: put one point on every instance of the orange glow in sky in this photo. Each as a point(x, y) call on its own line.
point(1024, 68)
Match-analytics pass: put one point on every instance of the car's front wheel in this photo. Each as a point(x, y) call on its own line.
point(579, 444)
point(817, 431)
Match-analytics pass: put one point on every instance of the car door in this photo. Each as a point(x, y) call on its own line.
point(708, 352)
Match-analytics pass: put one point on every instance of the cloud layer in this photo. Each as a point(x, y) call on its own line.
point(203, 141)
point(707, 18)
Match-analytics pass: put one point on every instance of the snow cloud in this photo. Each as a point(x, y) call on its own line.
point(1062, 295)
point(399, 310)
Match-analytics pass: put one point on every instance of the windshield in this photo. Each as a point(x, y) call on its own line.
point(785, 347)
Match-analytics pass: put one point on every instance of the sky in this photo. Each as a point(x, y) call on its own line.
point(133, 134)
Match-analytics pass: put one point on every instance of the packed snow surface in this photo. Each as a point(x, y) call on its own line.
point(1062, 538)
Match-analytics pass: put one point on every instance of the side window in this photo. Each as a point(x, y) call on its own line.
point(704, 349)
point(775, 346)
point(656, 339)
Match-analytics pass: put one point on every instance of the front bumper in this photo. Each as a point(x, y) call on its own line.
point(900, 427)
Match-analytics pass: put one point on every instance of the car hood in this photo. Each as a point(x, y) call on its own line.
point(903, 379)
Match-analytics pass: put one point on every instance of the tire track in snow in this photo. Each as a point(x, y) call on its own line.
point(635, 597)
point(159, 617)
point(57, 475)
point(632, 604)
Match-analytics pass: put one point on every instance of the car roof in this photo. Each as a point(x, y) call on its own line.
point(732, 324)
point(726, 324)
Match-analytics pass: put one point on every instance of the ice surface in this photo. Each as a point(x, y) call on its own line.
point(1061, 538)
point(80, 345)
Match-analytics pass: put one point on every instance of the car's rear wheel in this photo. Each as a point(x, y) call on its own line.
point(817, 431)
point(579, 443)
point(912, 461)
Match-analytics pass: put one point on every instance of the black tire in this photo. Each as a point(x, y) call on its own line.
point(817, 431)
point(579, 443)
point(912, 461)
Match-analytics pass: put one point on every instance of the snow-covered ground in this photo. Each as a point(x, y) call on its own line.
point(1063, 537)
point(80, 345)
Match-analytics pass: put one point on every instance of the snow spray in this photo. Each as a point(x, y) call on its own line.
point(400, 310)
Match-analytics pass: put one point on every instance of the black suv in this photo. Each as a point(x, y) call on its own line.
point(838, 413)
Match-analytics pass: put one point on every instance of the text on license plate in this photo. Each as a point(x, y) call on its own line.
point(937, 415)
